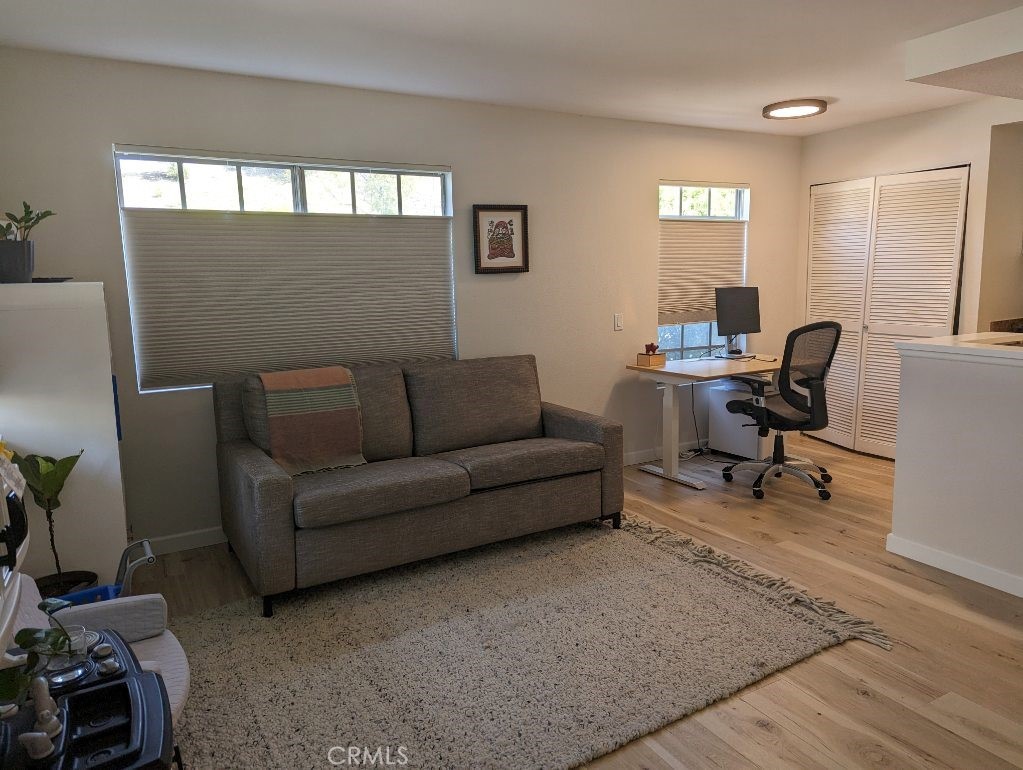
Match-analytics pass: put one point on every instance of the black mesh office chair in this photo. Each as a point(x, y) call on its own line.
point(800, 404)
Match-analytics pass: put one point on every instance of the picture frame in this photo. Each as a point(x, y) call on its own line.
point(500, 238)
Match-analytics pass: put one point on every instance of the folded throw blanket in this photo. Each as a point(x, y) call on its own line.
point(313, 419)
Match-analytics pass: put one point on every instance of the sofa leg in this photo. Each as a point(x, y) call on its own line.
point(268, 606)
point(616, 519)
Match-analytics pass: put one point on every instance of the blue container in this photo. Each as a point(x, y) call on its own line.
point(94, 594)
point(125, 570)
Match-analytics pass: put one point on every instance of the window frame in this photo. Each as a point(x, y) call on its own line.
point(297, 169)
point(741, 201)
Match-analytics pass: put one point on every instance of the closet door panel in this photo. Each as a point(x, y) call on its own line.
point(912, 286)
point(839, 242)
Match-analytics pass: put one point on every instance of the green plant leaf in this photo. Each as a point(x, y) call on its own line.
point(52, 605)
point(44, 641)
point(46, 476)
point(14, 218)
point(29, 638)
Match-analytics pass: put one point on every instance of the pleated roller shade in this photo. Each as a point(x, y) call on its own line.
point(217, 294)
point(696, 257)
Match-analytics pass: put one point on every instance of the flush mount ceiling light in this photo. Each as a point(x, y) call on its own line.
point(795, 108)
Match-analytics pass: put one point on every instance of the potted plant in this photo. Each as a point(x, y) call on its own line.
point(40, 645)
point(17, 252)
point(46, 476)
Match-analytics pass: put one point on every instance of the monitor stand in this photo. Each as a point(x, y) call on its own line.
point(732, 349)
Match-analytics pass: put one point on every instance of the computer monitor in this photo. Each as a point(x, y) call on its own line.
point(738, 312)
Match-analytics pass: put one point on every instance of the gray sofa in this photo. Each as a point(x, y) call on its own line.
point(459, 454)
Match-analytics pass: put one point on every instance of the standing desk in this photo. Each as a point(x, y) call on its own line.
point(690, 372)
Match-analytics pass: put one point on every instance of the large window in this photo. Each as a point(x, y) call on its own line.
point(242, 265)
point(154, 181)
point(702, 246)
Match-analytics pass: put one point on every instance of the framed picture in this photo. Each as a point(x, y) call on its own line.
point(501, 238)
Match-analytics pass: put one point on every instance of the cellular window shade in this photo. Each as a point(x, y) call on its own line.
point(695, 257)
point(217, 295)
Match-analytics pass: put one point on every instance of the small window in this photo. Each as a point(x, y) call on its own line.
point(267, 188)
point(422, 195)
point(328, 192)
point(150, 184)
point(703, 202)
point(211, 186)
point(376, 193)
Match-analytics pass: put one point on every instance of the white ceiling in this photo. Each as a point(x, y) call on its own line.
point(709, 63)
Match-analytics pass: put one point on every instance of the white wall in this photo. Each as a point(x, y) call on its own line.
point(591, 187)
point(1001, 281)
point(55, 400)
point(934, 139)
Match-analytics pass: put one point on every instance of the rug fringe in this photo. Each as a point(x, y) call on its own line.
point(855, 627)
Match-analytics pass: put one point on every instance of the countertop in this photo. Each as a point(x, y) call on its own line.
point(982, 345)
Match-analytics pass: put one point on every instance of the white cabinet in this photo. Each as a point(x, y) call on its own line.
point(56, 397)
point(884, 258)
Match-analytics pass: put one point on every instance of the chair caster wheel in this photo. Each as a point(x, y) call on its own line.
point(826, 478)
point(726, 475)
point(825, 494)
point(758, 493)
point(821, 470)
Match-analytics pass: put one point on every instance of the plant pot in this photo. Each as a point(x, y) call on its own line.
point(17, 261)
point(65, 583)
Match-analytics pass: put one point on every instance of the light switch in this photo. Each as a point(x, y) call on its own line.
point(619, 322)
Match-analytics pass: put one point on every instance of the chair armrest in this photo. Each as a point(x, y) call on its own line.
point(133, 617)
point(562, 422)
point(256, 497)
point(757, 384)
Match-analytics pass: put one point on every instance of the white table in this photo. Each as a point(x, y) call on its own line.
point(690, 372)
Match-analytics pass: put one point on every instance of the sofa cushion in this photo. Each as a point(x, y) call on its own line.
point(497, 465)
point(386, 420)
point(459, 404)
point(376, 489)
point(383, 405)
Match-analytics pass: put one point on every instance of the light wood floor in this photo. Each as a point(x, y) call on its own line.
point(950, 694)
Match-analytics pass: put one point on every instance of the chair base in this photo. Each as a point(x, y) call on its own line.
point(779, 465)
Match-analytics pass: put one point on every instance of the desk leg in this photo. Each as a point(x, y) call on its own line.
point(669, 443)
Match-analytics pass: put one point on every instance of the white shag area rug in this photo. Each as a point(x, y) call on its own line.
point(541, 652)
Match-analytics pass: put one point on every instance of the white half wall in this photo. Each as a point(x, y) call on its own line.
point(590, 184)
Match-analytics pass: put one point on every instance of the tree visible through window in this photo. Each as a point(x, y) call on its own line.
point(692, 340)
point(702, 202)
point(173, 182)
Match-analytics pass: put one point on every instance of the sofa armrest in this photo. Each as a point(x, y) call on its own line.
point(133, 617)
point(256, 510)
point(562, 422)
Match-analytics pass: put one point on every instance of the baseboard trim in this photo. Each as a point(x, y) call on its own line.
point(185, 541)
point(957, 565)
point(643, 456)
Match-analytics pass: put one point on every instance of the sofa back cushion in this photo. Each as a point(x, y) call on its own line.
point(386, 421)
point(473, 402)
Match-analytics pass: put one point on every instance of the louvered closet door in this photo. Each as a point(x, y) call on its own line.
point(911, 287)
point(840, 222)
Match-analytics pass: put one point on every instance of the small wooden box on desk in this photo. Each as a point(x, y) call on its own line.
point(651, 359)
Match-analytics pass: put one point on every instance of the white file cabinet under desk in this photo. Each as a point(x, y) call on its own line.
point(727, 433)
